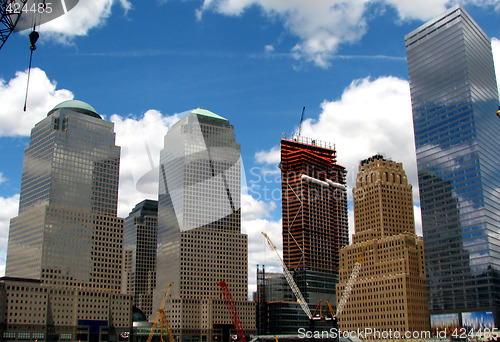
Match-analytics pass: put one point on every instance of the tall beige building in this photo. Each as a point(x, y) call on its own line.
point(64, 256)
point(389, 296)
point(199, 229)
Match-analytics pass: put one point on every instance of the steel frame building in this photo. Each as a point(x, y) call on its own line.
point(314, 204)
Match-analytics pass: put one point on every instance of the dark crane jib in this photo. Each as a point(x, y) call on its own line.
point(301, 119)
point(9, 18)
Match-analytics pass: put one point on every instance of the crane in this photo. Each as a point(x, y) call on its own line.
point(352, 279)
point(160, 317)
point(301, 119)
point(289, 278)
point(9, 18)
point(234, 313)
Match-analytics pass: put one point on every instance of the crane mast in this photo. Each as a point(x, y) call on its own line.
point(289, 278)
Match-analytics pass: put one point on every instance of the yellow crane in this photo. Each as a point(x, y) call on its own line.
point(160, 317)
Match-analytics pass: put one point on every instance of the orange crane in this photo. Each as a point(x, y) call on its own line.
point(160, 317)
point(234, 313)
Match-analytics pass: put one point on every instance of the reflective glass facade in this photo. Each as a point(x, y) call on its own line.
point(67, 232)
point(199, 225)
point(454, 101)
point(140, 239)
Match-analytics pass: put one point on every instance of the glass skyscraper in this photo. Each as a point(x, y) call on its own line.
point(139, 264)
point(67, 232)
point(454, 100)
point(64, 257)
point(199, 228)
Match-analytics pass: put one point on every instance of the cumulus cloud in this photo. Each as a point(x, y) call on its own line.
point(322, 26)
point(85, 16)
point(8, 210)
point(141, 140)
point(495, 47)
point(259, 252)
point(42, 97)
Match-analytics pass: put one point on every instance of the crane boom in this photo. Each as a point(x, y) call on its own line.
point(234, 313)
point(161, 316)
point(301, 119)
point(289, 278)
point(352, 279)
point(9, 18)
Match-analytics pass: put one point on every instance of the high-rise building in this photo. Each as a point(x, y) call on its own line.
point(314, 206)
point(199, 228)
point(67, 235)
point(140, 242)
point(454, 100)
point(390, 292)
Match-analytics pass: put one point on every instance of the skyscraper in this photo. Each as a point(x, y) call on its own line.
point(199, 227)
point(390, 292)
point(454, 101)
point(140, 241)
point(314, 205)
point(67, 236)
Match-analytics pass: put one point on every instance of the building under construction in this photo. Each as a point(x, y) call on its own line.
point(314, 206)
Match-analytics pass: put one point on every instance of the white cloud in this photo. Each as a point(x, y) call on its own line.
point(321, 26)
point(141, 140)
point(495, 48)
point(86, 15)
point(8, 209)
point(268, 157)
point(2, 178)
point(42, 97)
point(259, 252)
point(252, 209)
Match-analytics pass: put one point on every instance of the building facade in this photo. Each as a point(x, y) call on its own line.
point(454, 100)
point(139, 254)
point(390, 292)
point(314, 206)
point(67, 234)
point(199, 228)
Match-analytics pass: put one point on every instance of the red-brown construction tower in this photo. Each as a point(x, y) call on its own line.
point(314, 204)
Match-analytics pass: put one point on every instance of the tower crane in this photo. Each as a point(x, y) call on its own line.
point(9, 18)
point(301, 119)
point(160, 317)
point(352, 279)
point(289, 278)
point(234, 313)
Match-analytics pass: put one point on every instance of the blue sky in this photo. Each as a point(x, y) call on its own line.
point(255, 62)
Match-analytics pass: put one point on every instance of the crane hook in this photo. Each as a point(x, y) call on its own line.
point(33, 39)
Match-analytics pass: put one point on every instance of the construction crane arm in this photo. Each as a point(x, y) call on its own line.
point(289, 278)
point(352, 279)
point(161, 313)
point(301, 119)
point(9, 18)
point(232, 310)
